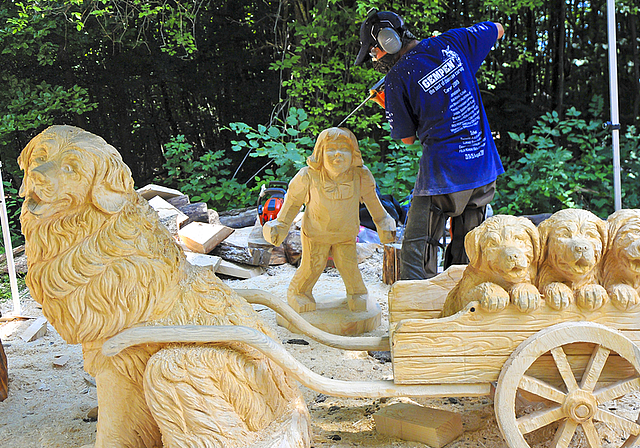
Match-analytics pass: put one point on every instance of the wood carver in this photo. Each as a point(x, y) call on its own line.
point(100, 262)
point(331, 187)
point(503, 255)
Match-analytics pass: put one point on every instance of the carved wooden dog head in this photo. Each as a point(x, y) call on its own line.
point(573, 243)
point(505, 246)
point(66, 167)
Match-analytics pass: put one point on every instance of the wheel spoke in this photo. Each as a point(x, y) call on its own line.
point(617, 390)
point(541, 389)
point(594, 368)
point(538, 419)
point(564, 368)
point(593, 439)
point(564, 434)
point(617, 421)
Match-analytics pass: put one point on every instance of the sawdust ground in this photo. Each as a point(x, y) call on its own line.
point(47, 406)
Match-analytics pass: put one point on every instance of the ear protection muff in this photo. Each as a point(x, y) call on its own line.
point(389, 40)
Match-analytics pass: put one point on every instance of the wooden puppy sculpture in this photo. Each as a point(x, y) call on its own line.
point(621, 265)
point(573, 244)
point(503, 254)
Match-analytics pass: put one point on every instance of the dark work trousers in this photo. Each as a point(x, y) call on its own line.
point(425, 224)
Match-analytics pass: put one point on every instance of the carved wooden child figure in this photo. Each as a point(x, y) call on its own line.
point(332, 187)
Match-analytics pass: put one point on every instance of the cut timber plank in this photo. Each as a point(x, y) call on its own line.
point(203, 238)
point(391, 263)
point(407, 421)
point(151, 190)
point(238, 271)
point(210, 261)
point(36, 330)
point(166, 210)
point(416, 299)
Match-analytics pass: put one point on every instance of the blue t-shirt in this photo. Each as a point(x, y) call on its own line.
point(432, 92)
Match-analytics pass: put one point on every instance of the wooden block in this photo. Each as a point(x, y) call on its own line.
point(4, 374)
point(166, 210)
point(391, 263)
point(36, 330)
point(151, 190)
point(407, 421)
point(210, 261)
point(238, 271)
point(203, 238)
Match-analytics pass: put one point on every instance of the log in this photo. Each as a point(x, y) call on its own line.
point(197, 212)
point(4, 374)
point(178, 201)
point(408, 421)
point(239, 218)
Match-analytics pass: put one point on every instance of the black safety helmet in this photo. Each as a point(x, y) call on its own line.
point(382, 29)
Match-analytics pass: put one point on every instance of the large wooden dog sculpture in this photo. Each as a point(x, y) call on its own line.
point(100, 262)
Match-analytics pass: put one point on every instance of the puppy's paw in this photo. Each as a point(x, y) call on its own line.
point(591, 297)
point(624, 297)
point(558, 295)
point(492, 297)
point(525, 296)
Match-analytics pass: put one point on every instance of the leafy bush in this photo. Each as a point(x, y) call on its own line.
point(286, 144)
point(566, 163)
point(205, 179)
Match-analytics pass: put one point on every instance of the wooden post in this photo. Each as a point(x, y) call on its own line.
point(391, 263)
point(4, 374)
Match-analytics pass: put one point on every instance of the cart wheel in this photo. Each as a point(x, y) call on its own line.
point(578, 402)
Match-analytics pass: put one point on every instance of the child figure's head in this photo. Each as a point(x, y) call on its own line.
point(332, 141)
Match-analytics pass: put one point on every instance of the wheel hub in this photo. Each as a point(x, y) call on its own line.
point(580, 405)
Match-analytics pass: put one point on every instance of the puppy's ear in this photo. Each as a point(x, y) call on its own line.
point(472, 246)
point(544, 230)
point(604, 234)
point(112, 184)
point(533, 233)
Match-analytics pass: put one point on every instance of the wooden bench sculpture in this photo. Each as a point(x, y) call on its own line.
point(575, 361)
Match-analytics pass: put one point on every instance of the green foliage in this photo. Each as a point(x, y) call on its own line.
point(566, 163)
point(203, 179)
point(395, 174)
point(287, 143)
point(5, 286)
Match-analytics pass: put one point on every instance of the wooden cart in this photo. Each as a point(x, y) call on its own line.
point(571, 363)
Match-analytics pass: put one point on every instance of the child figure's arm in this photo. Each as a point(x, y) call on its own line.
point(385, 224)
point(275, 231)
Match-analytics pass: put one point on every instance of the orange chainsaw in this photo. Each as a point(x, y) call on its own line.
point(270, 208)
